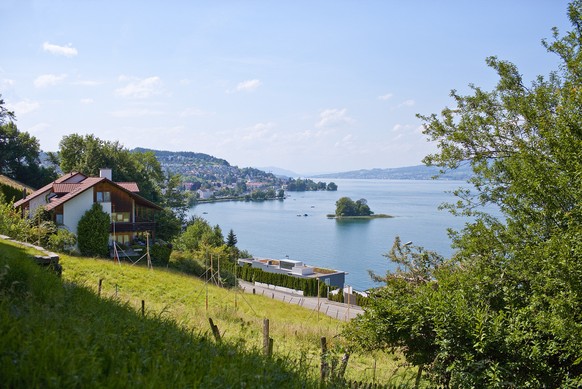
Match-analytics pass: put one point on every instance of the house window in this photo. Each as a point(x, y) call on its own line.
point(103, 197)
point(120, 217)
point(59, 219)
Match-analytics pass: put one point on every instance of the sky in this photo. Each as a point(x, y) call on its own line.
point(308, 86)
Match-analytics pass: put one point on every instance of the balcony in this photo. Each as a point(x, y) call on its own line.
point(133, 227)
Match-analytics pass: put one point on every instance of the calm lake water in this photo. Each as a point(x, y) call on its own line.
point(273, 229)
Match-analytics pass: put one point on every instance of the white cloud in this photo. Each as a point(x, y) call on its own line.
point(45, 80)
point(140, 89)
point(385, 97)
point(87, 101)
point(333, 117)
point(23, 107)
point(67, 51)
point(248, 85)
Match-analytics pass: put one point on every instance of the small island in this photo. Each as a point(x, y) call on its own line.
point(346, 208)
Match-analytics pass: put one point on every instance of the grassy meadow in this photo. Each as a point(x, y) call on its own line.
point(68, 333)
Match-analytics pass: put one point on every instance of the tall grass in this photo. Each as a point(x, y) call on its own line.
point(60, 333)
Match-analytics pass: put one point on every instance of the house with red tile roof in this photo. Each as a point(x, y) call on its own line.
point(70, 196)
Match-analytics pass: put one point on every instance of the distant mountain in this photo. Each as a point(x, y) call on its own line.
point(419, 172)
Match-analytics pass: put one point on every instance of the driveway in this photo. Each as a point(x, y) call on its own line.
point(339, 311)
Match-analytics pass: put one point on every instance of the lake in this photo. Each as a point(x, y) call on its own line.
point(278, 228)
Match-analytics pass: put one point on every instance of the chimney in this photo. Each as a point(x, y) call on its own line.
point(106, 172)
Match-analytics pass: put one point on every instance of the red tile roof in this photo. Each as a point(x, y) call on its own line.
point(80, 188)
point(130, 186)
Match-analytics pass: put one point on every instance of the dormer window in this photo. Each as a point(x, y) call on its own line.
point(103, 197)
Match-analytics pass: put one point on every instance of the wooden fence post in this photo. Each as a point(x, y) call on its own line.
point(267, 342)
point(99, 290)
point(215, 330)
point(143, 307)
point(324, 364)
point(342, 369)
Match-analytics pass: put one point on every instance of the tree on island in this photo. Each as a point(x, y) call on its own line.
point(345, 206)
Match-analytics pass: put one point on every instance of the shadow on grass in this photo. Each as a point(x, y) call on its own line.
point(55, 334)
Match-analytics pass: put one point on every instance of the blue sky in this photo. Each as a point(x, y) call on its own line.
point(309, 86)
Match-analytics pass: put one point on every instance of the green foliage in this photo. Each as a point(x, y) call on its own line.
point(197, 233)
point(41, 227)
point(302, 185)
point(347, 207)
point(87, 154)
point(93, 232)
point(19, 154)
point(231, 239)
point(174, 198)
point(168, 225)
point(506, 311)
point(160, 253)
point(12, 223)
point(186, 263)
point(63, 241)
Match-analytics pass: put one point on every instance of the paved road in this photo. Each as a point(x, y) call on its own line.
point(331, 308)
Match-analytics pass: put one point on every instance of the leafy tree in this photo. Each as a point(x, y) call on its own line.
point(506, 309)
point(348, 207)
point(197, 233)
point(345, 207)
point(19, 153)
point(362, 208)
point(168, 225)
point(87, 154)
point(332, 186)
point(93, 232)
point(174, 198)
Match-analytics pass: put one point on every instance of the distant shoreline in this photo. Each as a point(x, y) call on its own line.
point(378, 216)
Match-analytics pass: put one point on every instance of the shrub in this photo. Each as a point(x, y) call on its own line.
point(185, 263)
point(63, 241)
point(93, 232)
point(160, 253)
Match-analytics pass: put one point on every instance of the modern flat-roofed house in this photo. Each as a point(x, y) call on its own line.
point(70, 196)
point(298, 269)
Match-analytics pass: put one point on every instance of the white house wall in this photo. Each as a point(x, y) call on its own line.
point(36, 202)
point(75, 208)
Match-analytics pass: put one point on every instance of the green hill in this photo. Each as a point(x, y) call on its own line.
point(67, 333)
